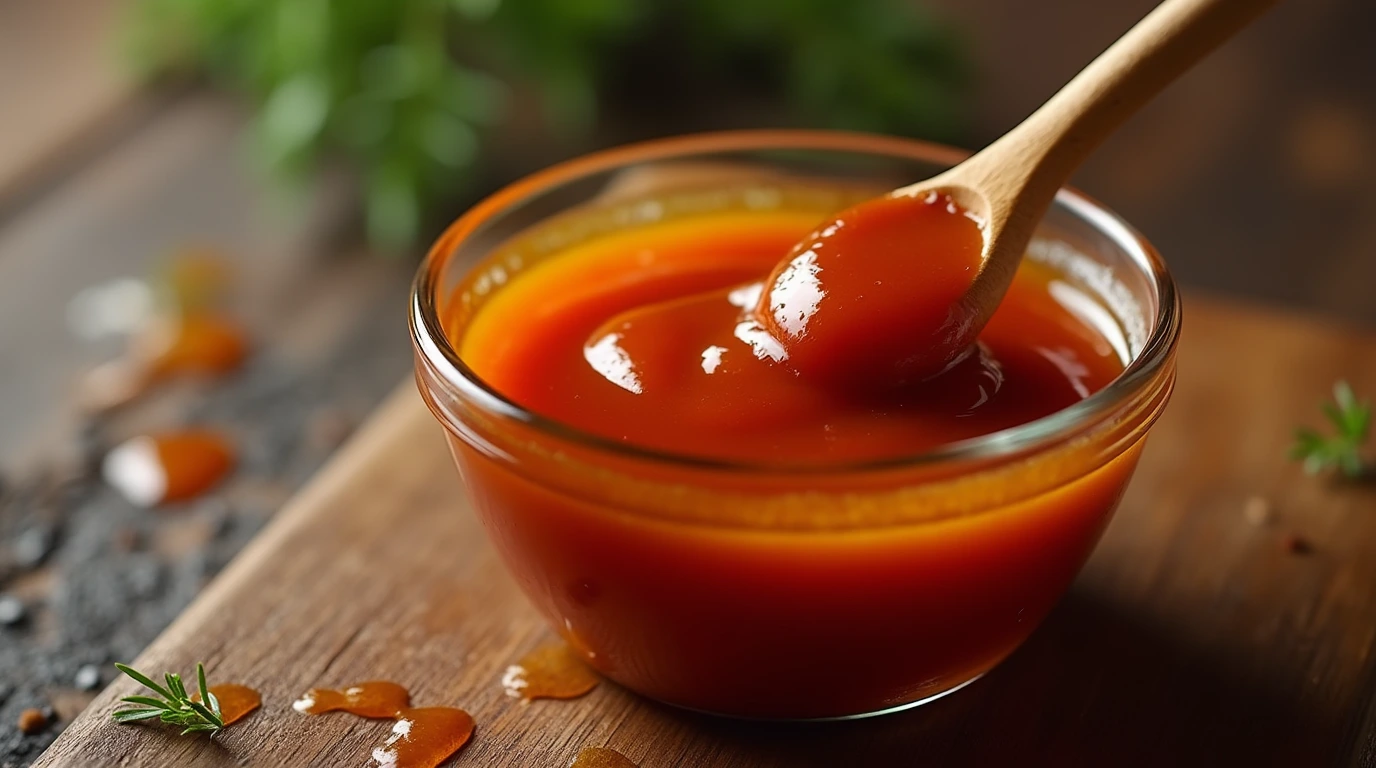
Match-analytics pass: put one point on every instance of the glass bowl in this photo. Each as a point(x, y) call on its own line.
point(769, 591)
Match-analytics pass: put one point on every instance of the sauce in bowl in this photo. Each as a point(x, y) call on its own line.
point(796, 535)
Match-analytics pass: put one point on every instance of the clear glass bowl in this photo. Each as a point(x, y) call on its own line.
point(763, 590)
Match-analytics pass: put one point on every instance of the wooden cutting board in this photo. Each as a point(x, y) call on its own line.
point(1194, 635)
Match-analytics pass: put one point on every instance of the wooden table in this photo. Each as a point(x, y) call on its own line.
point(1194, 636)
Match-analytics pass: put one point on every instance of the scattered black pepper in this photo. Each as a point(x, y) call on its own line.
point(112, 591)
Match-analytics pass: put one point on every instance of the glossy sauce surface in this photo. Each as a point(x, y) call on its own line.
point(700, 375)
point(872, 299)
point(422, 737)
point(750, 617)
point(549, 672)
point(236, 701)
point(169, 467)
point(375, 699)
point(601, 757)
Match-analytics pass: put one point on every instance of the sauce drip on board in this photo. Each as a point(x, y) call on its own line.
point(424, 737)
point(601, 757)
point(549, 672)
point(168, 467)
point(202, 344)
point(236, 701)
point(421, 737)
point(375, 699)
point(649, 337)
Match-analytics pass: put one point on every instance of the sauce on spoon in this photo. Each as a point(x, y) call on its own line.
point(872, 298)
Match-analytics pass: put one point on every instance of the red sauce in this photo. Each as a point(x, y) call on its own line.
point(700, 376)
point(872, 299)
point(422, 737)
point(750, 619)
point(601, 757)
point(550, 672)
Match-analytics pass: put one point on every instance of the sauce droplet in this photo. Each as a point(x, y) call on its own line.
point(601, 757)
point(376, 699)
point(236, 701)
point(195, 344)
point(425, 737)
point(174, 466)
point(549, 672)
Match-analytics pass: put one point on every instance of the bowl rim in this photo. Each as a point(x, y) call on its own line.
point(435, 352)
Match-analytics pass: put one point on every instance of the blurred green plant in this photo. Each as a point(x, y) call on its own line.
point(407, 90)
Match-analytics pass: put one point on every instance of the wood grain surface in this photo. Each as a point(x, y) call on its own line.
point(1193, 637)
point(62, 84)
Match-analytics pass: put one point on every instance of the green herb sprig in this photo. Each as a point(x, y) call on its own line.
point(174, 706)
point(1351, 418)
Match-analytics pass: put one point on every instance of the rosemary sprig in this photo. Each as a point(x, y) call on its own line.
point(175, 706)
point(1351, 419)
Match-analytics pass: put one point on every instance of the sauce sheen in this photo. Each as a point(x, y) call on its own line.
point(649, 336)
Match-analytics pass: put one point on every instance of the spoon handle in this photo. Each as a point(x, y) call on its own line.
point(1036, 158)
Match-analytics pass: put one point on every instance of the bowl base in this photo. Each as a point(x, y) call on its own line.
point(834, 718)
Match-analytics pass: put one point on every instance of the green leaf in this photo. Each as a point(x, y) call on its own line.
point(361, 78)
point(147, 701)
point(175, 707)
point(174, 684)
point(393, 208)
point(205, 712)
point(450, 140)
point(144, 680)
point(1351, 420)
point(477, 10)
point(201, 687)
point(1343, 395)
point(130, 715)
point(294, 114)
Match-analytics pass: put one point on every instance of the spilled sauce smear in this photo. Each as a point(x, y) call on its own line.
point(422, 737)
point(549, 672)
point(168, 467)
point(376, 699)
point(601, 757)
point(425, 737)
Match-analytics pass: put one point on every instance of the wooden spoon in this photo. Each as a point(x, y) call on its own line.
point(1007, 188)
